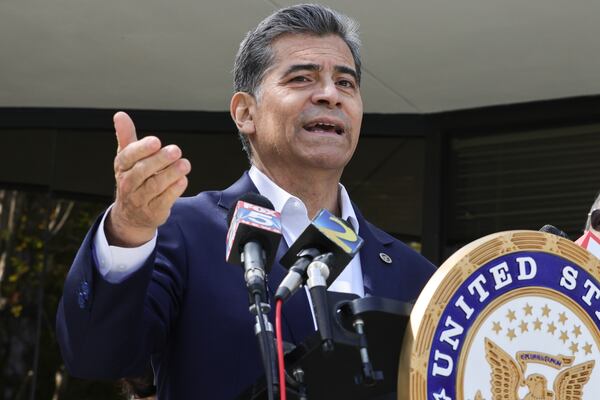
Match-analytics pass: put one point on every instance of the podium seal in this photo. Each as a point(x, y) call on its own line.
point(512, 316)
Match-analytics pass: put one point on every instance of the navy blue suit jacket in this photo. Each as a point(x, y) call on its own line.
point(188, 309)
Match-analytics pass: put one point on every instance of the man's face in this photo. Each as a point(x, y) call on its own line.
point(308, 109)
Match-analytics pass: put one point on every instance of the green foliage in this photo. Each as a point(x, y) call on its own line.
point(34, 261)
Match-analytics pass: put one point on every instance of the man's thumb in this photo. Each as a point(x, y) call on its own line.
point(124, 129)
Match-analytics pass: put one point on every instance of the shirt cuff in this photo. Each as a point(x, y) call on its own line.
point(115, 263)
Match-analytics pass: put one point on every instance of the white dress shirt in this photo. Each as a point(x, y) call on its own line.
point(115, 263)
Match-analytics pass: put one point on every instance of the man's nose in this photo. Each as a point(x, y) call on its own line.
point(327, 94)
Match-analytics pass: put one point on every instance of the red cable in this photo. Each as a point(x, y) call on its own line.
point(282, 392)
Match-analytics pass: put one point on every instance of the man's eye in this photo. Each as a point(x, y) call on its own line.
point(346, 83)
point(300, 78)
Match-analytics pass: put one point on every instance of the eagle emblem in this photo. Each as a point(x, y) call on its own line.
point(508, 375)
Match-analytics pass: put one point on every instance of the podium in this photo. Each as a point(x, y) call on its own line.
point(339, 373)
point(512, 315)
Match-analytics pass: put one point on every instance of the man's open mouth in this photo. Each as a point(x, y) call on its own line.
point(324, 127)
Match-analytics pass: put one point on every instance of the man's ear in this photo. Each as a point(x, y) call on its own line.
point(242, 109)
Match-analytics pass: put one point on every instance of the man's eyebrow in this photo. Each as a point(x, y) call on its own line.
point(315, 67)
point(301, 67)
point(346, 70)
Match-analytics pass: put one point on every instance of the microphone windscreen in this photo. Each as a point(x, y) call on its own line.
point(253, 219)
point(553, 230)
point(326, 233)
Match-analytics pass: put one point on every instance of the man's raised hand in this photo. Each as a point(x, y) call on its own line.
point(149, 179)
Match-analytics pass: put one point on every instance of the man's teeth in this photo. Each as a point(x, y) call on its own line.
point(324, 127)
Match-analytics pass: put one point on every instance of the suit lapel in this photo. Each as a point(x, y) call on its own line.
point(375, 272)
point(233, 192)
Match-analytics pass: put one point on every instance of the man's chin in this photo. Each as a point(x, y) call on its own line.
point(327, 161)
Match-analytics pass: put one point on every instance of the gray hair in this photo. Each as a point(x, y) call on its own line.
point(255, 54)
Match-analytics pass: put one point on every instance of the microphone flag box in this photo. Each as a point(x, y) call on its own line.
point(590, 242)
point(326, 233)
point(252, 223)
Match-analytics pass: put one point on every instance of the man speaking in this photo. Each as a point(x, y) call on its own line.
point(150, 281)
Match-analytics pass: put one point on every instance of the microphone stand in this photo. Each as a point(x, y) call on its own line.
point(253, 258)
point(263, 330)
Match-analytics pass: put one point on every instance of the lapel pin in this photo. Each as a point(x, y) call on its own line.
point(385, 258)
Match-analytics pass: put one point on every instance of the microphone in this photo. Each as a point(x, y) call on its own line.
point(296, 275)
point(326, 233)
point(318, 272)
point(253, 237)
point(554, 230)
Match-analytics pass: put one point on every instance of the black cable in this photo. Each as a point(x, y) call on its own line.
point(266, 348)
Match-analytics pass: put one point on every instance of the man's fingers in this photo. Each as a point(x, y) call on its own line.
point(124, 129)
point(149, 180)
point(166, 199)
point(154, 164)
point(135, 152)
point(156, 184)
